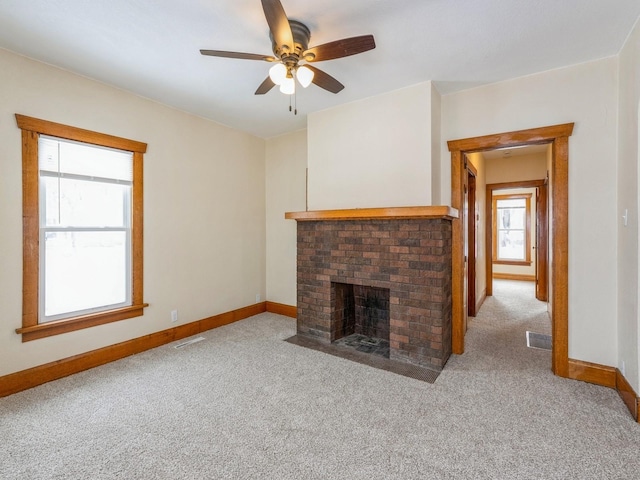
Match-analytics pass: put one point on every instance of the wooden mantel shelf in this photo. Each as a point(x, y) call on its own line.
point(374, 213)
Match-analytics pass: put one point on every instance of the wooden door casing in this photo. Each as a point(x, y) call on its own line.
point(558, 137)
point(542, 244)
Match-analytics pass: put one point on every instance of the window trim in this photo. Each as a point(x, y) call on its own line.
point(32, 128)
point(495, 199)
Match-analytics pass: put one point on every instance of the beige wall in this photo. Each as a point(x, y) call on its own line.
point(628, 158)
point(587, 95)
point(436, 146)
point(286, 164)
point(372, 153)
point(204, 224)
point(517, 168)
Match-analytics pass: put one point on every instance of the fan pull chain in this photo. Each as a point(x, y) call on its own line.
point(293, 107)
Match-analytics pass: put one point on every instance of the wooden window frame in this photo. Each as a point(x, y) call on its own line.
point(527, 241)
point(32, 128)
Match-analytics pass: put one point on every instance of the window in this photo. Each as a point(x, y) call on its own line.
point(82, 242)
point(511, 229)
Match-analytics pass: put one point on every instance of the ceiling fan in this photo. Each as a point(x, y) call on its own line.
point(290, 45)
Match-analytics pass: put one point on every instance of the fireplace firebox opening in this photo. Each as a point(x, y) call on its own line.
point(361, 317)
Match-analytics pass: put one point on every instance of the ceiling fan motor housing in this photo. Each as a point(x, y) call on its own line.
point(289, 53)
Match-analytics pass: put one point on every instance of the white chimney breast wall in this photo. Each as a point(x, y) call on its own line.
point(372, 153)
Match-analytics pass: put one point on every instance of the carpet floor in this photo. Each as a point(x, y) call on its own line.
point(245, 404)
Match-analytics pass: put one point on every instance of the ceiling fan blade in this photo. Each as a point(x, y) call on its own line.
point(340, 48)
point(265, 86)
point(324, 80)
point(278, 23)
point(242, 56)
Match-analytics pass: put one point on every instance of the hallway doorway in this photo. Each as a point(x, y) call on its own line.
point(531, 262)
point(558, 137)
point(511, 216)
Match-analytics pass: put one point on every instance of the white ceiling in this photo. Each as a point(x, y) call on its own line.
point(515, 152)
point(151, 47)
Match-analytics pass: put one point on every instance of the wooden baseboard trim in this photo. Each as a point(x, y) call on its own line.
point(282, 309)
point(32, 377)
point(514, 276)
point(628, 395)
point(592, 373)
point(481, 300)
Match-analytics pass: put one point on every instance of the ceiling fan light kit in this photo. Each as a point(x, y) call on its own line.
point(290, 45)
point(283, 76)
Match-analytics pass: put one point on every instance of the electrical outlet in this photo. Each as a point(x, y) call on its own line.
point(174, 315)
point(257, 298)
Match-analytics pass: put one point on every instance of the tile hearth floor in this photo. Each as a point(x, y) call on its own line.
point(424, 374)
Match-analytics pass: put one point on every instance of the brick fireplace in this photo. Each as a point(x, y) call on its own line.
point(385, 273)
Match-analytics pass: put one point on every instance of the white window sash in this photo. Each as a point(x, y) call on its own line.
point(126, 228)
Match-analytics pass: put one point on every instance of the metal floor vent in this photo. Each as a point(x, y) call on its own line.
point(538, 340)
point(189, 342)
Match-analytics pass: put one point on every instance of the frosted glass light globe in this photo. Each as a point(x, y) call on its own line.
point(278, 73)
point(304, 76)
point(288, 86)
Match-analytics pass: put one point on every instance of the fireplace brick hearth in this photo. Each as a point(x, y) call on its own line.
point(411, 257)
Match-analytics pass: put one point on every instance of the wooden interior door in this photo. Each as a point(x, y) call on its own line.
point(542, 243)
point(472, 244)
point(465, 230)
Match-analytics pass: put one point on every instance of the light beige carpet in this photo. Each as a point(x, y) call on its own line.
point(245, 404)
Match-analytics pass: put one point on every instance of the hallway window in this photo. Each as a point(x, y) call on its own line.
point(511, 229)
